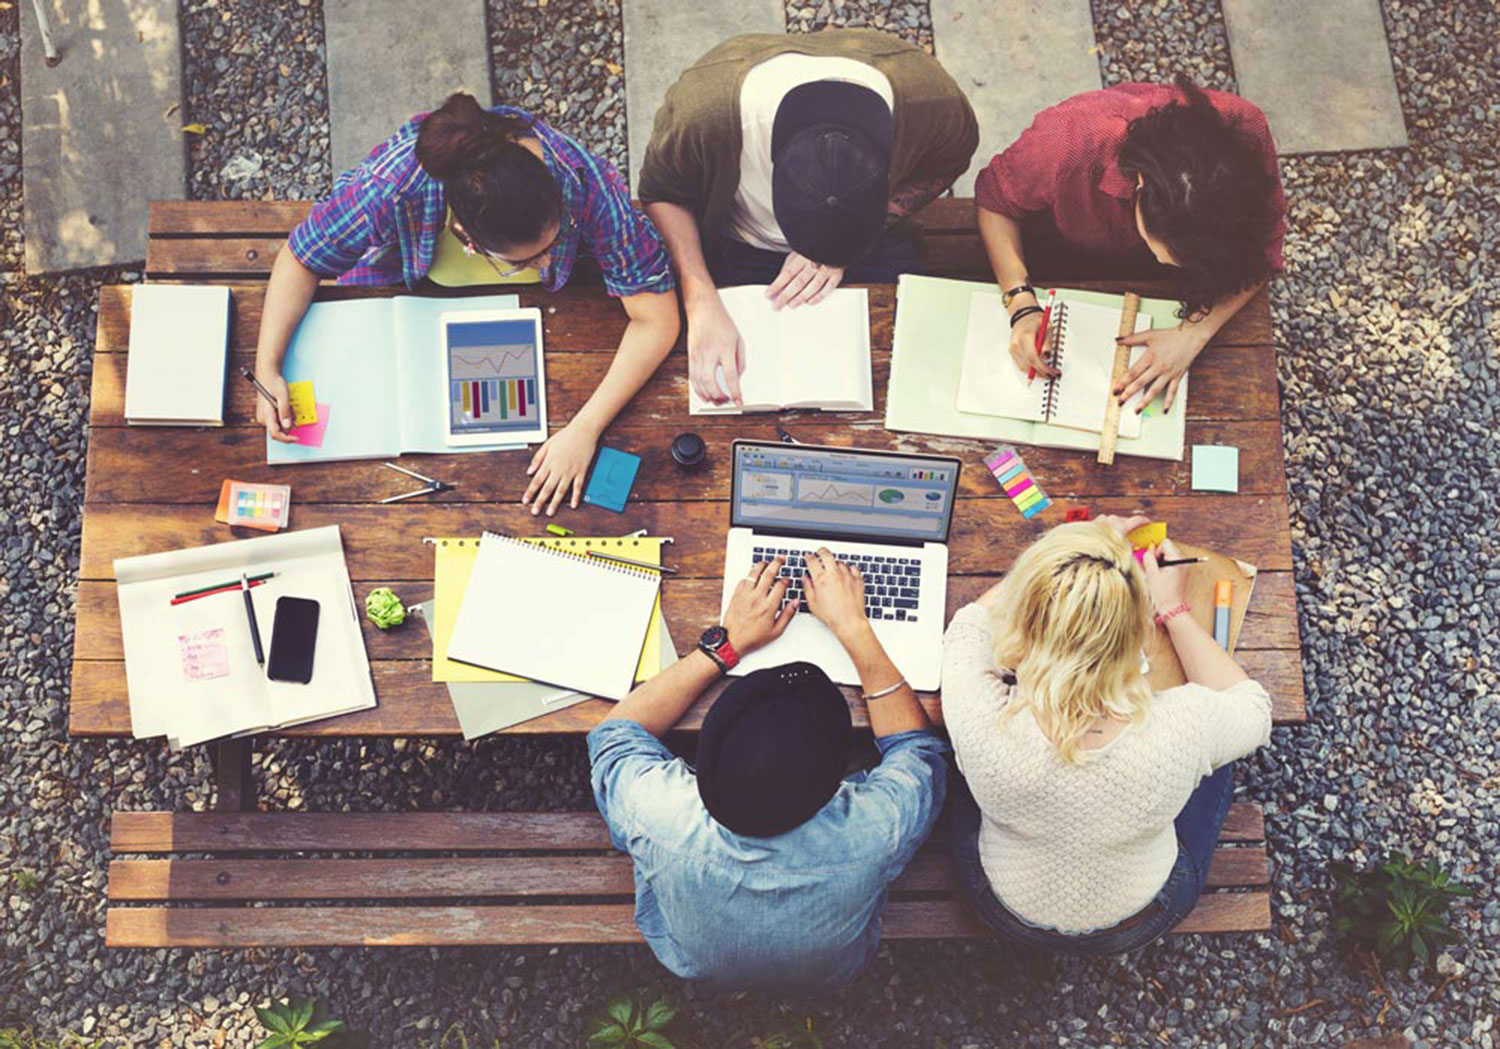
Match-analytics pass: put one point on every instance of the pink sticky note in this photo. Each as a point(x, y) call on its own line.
point(312, 434)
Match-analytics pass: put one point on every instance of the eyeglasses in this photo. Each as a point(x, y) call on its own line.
point(513, 266)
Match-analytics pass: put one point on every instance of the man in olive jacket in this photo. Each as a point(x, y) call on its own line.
point(787, 160)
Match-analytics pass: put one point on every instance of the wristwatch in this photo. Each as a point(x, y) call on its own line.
point(714, 643)
point(1019, 289)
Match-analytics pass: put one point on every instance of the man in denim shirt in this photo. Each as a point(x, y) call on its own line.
point(767, 867)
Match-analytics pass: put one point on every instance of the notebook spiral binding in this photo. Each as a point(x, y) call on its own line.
point(1057, 335)
point(555, 547)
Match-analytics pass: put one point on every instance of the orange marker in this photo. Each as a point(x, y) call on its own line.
point(1223, 598)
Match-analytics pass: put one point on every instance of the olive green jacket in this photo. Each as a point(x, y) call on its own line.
point(693, 158)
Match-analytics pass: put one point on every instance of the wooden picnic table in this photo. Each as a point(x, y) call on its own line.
point(154, 489)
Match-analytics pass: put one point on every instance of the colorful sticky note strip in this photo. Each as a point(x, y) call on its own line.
point(304, 403)
point(1148, 535)
point(1216, 468)
point(312, 434)
point(1016, 481)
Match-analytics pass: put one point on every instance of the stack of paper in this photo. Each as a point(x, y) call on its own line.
point(190, 667)
point(179, 344)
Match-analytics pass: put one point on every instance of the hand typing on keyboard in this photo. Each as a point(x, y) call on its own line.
point(892, 584)
point(835, 593)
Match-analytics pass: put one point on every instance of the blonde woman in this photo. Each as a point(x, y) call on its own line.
point(1092, 805)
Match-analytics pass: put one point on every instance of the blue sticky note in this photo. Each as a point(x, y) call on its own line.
point(1216, 468)
point(612, 478)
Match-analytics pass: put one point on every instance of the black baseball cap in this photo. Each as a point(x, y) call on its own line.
point(830, 170)
point(773, 749)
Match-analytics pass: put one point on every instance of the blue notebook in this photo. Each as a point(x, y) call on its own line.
point(377, 364)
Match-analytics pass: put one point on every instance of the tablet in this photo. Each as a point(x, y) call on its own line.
point(496, 387)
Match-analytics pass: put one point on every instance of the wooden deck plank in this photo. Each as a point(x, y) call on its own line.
point(491, 877)
point(412, 704)
point(124, 464)
point(580, 318)
point(538, 924)
point(383, 542)
point(1270, 622)
point(277, 832)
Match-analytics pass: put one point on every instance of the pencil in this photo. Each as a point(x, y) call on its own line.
point(256, 383)
point(221, 586)
point(210, 593)
point(628, 561)
point(1173, 561)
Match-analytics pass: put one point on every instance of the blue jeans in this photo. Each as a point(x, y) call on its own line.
point(896, 252)
point(1198, 826)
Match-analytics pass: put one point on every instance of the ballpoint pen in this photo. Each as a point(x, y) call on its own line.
point(260, 655)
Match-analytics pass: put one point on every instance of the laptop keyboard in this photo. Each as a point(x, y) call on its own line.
point(891, 583)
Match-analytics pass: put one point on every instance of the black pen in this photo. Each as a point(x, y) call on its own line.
point(1172, 562)
point(260, 655)
point(267, 394)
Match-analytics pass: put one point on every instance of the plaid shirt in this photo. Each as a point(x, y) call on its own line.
point(1067, 164)
point(382, 223)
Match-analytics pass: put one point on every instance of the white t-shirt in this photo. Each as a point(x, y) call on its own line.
point(752, 219)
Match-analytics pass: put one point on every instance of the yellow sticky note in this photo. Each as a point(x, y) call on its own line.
point(1148, 535)
point(304, 403)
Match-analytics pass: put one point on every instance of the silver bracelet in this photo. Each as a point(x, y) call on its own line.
point(884, 692)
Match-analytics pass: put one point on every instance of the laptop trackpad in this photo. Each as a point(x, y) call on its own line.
point(807, 639)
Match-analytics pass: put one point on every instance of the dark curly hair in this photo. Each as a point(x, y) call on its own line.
point(499, 190)
point(1205, 192)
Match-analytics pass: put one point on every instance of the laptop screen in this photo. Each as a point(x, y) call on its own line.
point(843, 492)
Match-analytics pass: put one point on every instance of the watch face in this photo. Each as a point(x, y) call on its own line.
point(714, 636)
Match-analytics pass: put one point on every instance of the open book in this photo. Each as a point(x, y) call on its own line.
point(377, 364)
point(807, 357)
point(1080, 344)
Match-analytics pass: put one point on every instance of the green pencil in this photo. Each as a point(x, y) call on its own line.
point(220, 586)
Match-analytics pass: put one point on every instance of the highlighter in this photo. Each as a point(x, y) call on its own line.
point(1223, 598)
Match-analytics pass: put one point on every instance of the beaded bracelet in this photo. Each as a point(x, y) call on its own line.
point(1024, 311)
point(1162, 617)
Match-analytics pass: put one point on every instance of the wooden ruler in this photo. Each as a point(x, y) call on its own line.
point(1111, 434)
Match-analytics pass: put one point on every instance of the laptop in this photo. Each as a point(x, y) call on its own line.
point(886, 512)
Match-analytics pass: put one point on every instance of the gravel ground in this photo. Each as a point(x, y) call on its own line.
point(1388, 312)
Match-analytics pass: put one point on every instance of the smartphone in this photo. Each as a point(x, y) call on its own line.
point(294, 635)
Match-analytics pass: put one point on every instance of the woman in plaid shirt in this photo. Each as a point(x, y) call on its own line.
point(466, 195)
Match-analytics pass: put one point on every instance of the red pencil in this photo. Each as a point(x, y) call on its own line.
point(1041, 335)
point(210, 593)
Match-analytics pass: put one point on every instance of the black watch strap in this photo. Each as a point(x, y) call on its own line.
point(1019, 289)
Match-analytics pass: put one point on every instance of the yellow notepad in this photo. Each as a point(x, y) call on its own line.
point(454, 560)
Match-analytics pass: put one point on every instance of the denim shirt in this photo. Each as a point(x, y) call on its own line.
point(796, 911)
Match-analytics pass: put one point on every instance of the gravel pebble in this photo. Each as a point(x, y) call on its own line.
point(1388, 315)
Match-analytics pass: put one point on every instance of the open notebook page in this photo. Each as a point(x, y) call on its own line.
point(1086, 358)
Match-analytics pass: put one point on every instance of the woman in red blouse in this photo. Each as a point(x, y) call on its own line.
point(1136, 178)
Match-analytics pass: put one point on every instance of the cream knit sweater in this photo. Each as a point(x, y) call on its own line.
point(1082, 847)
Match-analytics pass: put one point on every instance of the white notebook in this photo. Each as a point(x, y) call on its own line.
point(179, 345)
point(554, 616)
point(1081, 344)
point(190, 668)
point(808, 357)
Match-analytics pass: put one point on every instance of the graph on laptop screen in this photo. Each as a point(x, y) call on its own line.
point(848, 493)
point(492, 381)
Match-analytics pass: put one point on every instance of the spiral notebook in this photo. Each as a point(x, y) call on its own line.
point(554, 616)
point(1080, 344)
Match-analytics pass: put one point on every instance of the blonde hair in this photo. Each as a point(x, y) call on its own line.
point(1071, 623)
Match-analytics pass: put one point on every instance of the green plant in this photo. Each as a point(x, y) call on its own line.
point(629, 1023)
point(1398, 909)
point(455, 1037)
point(299, 1022)
point(27, 882)
point(803, 1037)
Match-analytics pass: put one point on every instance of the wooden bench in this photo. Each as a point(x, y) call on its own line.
point(542, 878)
point(235, 878)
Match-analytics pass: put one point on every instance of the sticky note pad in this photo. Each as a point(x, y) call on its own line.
point(1148, 535)
point(304, 403)
point(611, 479)
point(312, 433)
point(1016, 481)
point(1216, 468)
